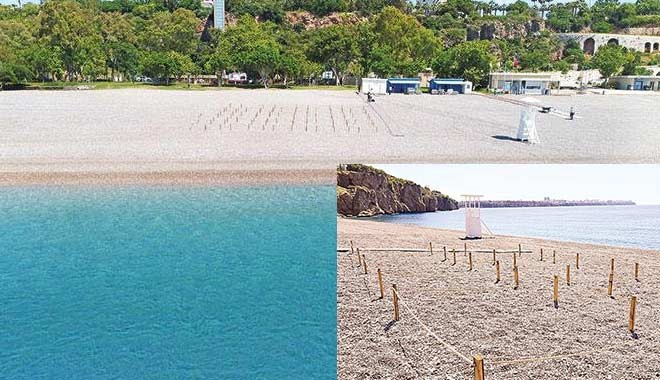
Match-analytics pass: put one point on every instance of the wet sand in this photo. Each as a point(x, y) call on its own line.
point(468, 311)
point(159, 178)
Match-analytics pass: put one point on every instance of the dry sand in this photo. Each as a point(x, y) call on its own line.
point(157, 130)
point(476, 316)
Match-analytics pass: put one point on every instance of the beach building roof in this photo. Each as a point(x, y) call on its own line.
point(448, 80)
point(404, 80)
point(517, 75)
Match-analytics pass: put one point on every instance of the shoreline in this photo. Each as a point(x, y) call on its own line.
point(501, 236)
point(225, 177)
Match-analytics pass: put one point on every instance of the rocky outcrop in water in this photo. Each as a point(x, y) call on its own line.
point(366, 191)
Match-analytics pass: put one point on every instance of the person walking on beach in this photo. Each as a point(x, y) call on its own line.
point(572, 113)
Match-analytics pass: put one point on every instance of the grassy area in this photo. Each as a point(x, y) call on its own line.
point(172, 86)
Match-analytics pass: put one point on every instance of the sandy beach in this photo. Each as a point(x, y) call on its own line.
point(139, 130)
point(519, 332)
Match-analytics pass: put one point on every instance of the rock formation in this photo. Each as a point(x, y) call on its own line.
point(366, 191)
point(506, 31)
point(310, 21)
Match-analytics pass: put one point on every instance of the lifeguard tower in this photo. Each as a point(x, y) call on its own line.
point(527, 126)
point(472, 216)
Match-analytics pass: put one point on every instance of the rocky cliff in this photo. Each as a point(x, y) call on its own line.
point(366, 191)
point(309, 21)
point(504, 30)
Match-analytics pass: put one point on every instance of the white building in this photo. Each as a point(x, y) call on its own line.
point(219, 14)
point(636, 82)
point(377, 86)
point(525, 83)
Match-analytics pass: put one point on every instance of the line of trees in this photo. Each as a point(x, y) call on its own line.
point(87, 40)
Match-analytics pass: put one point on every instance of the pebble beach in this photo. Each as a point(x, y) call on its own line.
point(449, 314)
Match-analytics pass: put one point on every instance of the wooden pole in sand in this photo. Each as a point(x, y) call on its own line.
point(515, 262)
point(568, 275)
point(380, 284)
point(470, 259)
point(515, 277)
point(395, 300)
point(453, 251)
point(556, 292)
point(637, 272)
point(631, 318)
point(577, 261)
point(519, 250)
point(478, 367)
point(431, 247)
point(610, 283)
point(541, 254)
point(359, 258)
point(494, 257)
point(497, 271)
point(364, 263)
point(352, 247)
point(444, 250)
point(464, 249)
point(554, 256)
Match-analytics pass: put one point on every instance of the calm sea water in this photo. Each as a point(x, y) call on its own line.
point(161, 283)
point(624, 226)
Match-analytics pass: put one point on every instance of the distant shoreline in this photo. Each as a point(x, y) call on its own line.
point(552, 203)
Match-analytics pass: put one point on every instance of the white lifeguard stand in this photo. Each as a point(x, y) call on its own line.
point(527, 127)
point(472, 216)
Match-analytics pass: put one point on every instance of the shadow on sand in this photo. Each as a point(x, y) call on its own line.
point(505, 138)
point(389, 325)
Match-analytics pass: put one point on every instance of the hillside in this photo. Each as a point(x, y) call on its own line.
point(366, 191)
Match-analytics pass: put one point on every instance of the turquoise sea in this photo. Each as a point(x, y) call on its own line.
point(168, 283)
point(620, 226)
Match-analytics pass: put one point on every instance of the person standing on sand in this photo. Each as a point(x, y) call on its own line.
point(572, 113)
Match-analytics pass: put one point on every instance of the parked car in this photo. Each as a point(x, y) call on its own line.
point(143, 79)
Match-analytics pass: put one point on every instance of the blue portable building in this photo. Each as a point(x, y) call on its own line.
point(403, 85)
point(458, 85)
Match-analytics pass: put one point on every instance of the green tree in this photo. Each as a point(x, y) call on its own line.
point(254, 47)
point(266, 10)
point(44, 61)
point(335, 47)
point(67, 28)
point(159, 65)
point(12, 74)
point(609, 59)
point(117, 38)
point(401, 39)
point(471, 60)
point(219, 61)
point(648, 7)
point(166, 31)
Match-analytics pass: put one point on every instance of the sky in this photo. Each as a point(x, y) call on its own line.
point(639, 183)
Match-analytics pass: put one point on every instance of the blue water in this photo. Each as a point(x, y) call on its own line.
point(622, 226)
point(162, 283)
